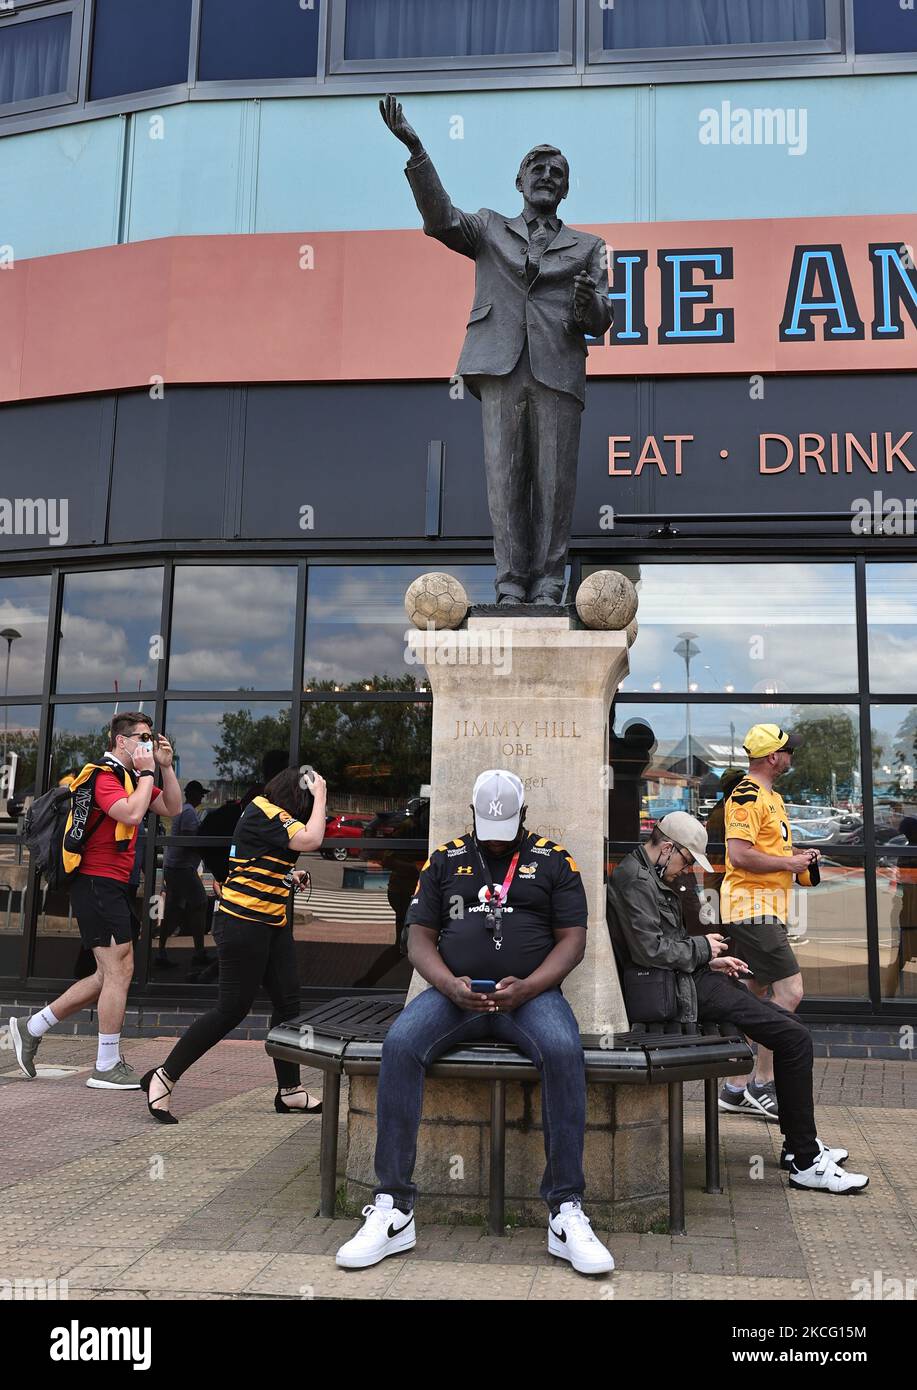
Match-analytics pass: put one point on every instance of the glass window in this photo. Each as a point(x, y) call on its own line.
point(894, 773)
point(232, 627)
point(886, 27)
point(34, 57)
point(138, 46)
point(383, 29)
point(356, 624)
point(110, 637)
point(672, 758)
point(19, 739)
point(274, 38)
point(710, 23)
point(80, 735)
point(759, 628)
point(223, 744)
point(891, 613)
point(24, 625)
point(374, 755)
point(896, 884)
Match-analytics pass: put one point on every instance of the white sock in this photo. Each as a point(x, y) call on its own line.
point(109, 1054)
point(39, 1023)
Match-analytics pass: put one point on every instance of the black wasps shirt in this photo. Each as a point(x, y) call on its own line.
point(546, 892)
point(257, 888)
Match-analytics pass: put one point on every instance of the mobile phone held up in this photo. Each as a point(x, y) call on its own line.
point(483, 986)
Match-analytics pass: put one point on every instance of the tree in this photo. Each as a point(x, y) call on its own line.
point(829, 747)
point(244, 741)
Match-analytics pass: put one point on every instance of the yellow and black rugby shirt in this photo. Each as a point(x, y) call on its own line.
point(257, 887)
point(546, 892)
point(755, 814)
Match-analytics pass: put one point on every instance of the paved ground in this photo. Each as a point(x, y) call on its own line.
point(223, 1205)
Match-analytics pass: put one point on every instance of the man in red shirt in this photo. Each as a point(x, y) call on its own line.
point(100, 895)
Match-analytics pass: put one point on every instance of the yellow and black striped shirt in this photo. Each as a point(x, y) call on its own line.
point(257, 887)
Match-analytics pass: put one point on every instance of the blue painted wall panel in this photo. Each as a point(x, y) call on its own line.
point(60, 189)
point(327, 163)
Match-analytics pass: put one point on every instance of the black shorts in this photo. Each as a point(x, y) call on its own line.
point(103, 910)
point(764, 947)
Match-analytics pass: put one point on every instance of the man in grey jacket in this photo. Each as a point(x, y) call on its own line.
point(540, 287)
point(645, 920)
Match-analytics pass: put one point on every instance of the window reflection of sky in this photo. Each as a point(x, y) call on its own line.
point(24, 609)
point(891, 605)
point(194, 726)
point(109, 621)
point(232, 627)
point(356, 622)
point(760, 628)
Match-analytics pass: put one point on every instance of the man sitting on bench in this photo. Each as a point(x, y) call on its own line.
point(498, 921)
point(645, 918)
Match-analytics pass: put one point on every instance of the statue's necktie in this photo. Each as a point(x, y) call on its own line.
point(538, 242)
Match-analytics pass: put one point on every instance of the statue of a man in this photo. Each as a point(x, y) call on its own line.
point(539, 287)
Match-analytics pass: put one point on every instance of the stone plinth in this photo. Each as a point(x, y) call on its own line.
point(531, 694)
point(625, 1156)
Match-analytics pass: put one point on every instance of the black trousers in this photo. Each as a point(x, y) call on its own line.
point(724, 1000)
point(250, 954)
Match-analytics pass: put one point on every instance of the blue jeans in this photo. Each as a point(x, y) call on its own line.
point(544, 1029)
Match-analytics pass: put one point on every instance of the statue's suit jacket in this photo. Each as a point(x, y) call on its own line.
point(507, 309)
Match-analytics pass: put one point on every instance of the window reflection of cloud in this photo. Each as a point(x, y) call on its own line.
point(795, 659)
point(232, 627)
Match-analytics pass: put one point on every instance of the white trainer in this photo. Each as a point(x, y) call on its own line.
point(571, 1237)
point(835, 1155)
point(826, 1176)
point(386, 1231)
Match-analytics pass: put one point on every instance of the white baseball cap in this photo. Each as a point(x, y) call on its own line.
point(497, 802)
point(687, 833)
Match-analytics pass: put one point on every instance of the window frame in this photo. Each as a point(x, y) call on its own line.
point(29, 15)
point(832, 45)
point(339, 65)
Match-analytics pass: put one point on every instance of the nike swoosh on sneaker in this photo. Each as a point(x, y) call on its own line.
point(396, 1231)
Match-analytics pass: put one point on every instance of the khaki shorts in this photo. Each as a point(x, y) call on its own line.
point(764, 947)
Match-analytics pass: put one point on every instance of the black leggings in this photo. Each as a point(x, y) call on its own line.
point(250, 954)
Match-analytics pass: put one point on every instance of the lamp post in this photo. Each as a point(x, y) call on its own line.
point(11, 635)
point(686, 648)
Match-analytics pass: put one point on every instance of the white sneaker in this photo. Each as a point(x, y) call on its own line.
point(826, 1176)
point(386, 1231)
point(835, 1155)
point(570, 1237)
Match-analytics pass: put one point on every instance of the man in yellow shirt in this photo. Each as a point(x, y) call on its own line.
point(755, 898)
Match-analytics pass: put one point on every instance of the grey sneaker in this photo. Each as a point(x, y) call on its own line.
point(764, 1099)
point(24, 1045)
point(121, 1077)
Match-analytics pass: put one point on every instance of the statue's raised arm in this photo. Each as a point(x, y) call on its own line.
point(460, 231)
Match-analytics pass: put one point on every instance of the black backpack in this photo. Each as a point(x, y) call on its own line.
point(46, 825)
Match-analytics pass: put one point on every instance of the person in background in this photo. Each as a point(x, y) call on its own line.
point(647, 928)
point(186, 900)
point(253, 931)
point(123, 793)
point(756, 899)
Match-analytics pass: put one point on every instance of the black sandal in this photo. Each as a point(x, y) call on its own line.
point(283, 1109)
point(163, 1117)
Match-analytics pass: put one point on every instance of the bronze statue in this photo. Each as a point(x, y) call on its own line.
point(539, 287)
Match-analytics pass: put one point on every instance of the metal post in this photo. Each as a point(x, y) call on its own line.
point(331, 1114)
point(712, 1135)
point(497, 1157)
point(676, 1160)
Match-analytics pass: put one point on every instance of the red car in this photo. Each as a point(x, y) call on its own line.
point(350, 826)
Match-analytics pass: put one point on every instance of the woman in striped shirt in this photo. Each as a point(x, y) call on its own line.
point(253, 931)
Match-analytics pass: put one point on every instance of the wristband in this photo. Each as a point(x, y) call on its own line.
point(147, 772)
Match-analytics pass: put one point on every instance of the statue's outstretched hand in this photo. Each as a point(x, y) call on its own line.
point(393, 116)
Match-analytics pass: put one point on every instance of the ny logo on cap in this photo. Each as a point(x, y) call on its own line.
point(496, 808)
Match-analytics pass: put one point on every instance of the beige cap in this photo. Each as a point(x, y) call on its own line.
point(686, 832)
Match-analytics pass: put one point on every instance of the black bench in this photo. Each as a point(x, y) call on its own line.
point(344, 1036)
